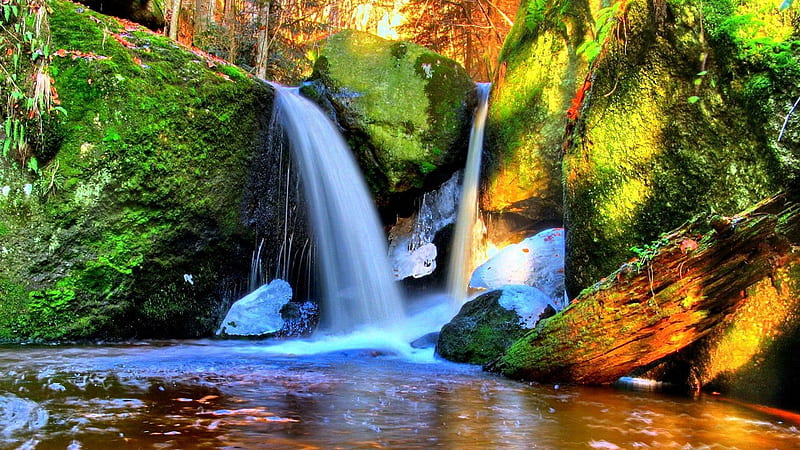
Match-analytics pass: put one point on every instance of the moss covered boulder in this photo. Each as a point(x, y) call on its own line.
point(540, 71)
point(130, 225)
point(405, 110)
point(486, 327)
point(680, 115)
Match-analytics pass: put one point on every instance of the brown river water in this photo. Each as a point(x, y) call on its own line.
point(230, 395)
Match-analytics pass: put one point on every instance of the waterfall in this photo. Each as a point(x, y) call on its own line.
point(357, 285)
point(460, 254)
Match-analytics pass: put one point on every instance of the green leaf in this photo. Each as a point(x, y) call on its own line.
point(703, 73)
point(33, 164)
point(60, 110)
point(693, 99)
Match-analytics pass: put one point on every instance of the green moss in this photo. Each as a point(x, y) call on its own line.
point(644, 159)
point(144, 187)
point(480, 332)
point(406, 109)
point(527, 113)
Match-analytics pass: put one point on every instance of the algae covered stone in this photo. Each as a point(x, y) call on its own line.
point(539, 74)
point(131, 225)
point(405, 110)
point(681, 118)
point(486, 326)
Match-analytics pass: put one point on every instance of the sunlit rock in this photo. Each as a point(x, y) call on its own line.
point(486, 326)
point(644, 154)
point(406, 110)
point(536, 261)
point(258, 313)
point(18, 415)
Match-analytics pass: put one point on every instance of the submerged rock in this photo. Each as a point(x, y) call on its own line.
point(537, 261)
point(486, 326)
point(405, 109)
point(19, 415)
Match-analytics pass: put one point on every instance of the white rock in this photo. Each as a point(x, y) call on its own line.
point(528, 302)
point(259, 312)
point(415, 263)
point(537, 261)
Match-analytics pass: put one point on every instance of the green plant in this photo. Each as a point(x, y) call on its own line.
point(25, 83)
point(609, 19)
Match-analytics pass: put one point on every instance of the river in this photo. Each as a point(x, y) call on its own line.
point(234, 394)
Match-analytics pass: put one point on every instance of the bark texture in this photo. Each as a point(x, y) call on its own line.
point(676, 292)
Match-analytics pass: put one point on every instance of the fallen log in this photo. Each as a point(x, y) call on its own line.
point(674, 293)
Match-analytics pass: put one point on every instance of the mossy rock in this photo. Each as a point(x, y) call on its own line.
point(486, 326)
point(539, 74)
point(132, 226)
point(677, 122)
point(406, 111)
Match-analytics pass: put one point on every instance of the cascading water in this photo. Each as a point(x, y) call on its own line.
point(468, 208)
point(357, 285)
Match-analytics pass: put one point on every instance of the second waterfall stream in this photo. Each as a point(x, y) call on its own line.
point(460, 264)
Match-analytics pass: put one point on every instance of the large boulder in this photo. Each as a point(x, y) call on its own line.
point(405, 110)
point(539, 72)
point(485, 327)
point(131, 224)
point(537, 261)
point(681, 115)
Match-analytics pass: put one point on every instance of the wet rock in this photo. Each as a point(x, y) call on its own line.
point(426, 341)
point(258, 313)
point(300, 319)
point(486, 326)
point(19, 415)
point(412, 249)
point(537, 261)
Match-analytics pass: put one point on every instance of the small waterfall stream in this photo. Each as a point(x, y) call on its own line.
point(460, 254)
point(357, 285)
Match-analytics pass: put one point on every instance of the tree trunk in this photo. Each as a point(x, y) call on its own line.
point(203, 16)
point(676, 293)
point(229, 17)
point(262, 41)
point(174, 19)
